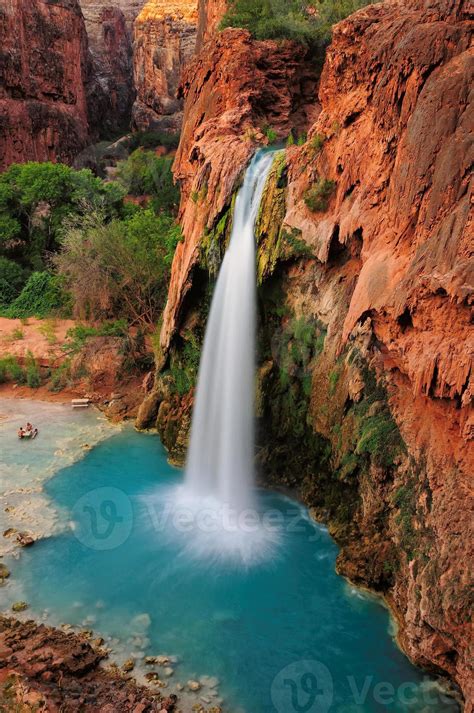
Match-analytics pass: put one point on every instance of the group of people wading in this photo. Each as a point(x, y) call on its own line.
point(29, 432)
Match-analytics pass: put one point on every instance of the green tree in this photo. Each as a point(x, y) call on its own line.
point(119, 268)
point(145, 173)
point(42, 295)
point(12, 279)
point(35, 198)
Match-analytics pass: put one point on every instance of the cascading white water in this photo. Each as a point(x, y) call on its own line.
point(221, 455)
point(216, 512)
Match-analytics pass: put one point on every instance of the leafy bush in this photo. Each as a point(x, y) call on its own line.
point(77, 336)
point(119, 269)
point(42, 295)
point(11, 368)
point(145, 173)
point(12, 279)
point(153, 139)
point(61, 376)
point(33, 377)
point(317, 197)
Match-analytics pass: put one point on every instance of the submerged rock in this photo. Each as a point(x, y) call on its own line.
point(24, 539)
point(19, 606)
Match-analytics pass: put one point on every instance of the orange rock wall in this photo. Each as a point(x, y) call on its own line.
point(211, 13)
point(109, 31)
point(44, 80)
point(164, 43)
point(233, 89)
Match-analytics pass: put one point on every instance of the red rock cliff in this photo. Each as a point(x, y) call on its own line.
point(109, 29)
point(393, 135)
point(211, 13)
point(44, 79)
point(385, 270)
point(234, 88)
point(164, 43)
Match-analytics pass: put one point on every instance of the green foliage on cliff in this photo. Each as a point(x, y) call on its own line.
point(185, 364)
point(317, 197)
point(278, 19)
point(307, 22)
point(404, 500)
point(215, 240)
point(380, 438)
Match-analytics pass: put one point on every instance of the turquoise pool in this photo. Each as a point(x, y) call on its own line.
point(285, 634)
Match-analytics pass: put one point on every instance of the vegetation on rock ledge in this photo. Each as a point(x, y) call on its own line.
point(307, 22)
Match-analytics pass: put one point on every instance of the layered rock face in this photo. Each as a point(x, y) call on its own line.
point(211, 13)
point(393, 139)
point(164, 42)
point(109, 28)
point(45, 77)
point(365, 264)
point(233, 90)
point(93, 9)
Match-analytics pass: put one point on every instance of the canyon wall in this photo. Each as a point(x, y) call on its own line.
point(233, 90)
point(164, 42)
point(93, 10)
point(110, 30)
point(45, 78)
point(365, 386)
point(211, 13)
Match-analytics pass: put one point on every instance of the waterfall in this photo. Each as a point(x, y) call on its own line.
point(217, 514)
point(221, 455)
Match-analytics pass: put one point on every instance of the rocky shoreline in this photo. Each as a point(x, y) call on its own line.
point(58, 671)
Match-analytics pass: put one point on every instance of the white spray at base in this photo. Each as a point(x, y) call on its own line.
point(219, 485)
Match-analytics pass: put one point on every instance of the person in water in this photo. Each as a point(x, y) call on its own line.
point(29, 432)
